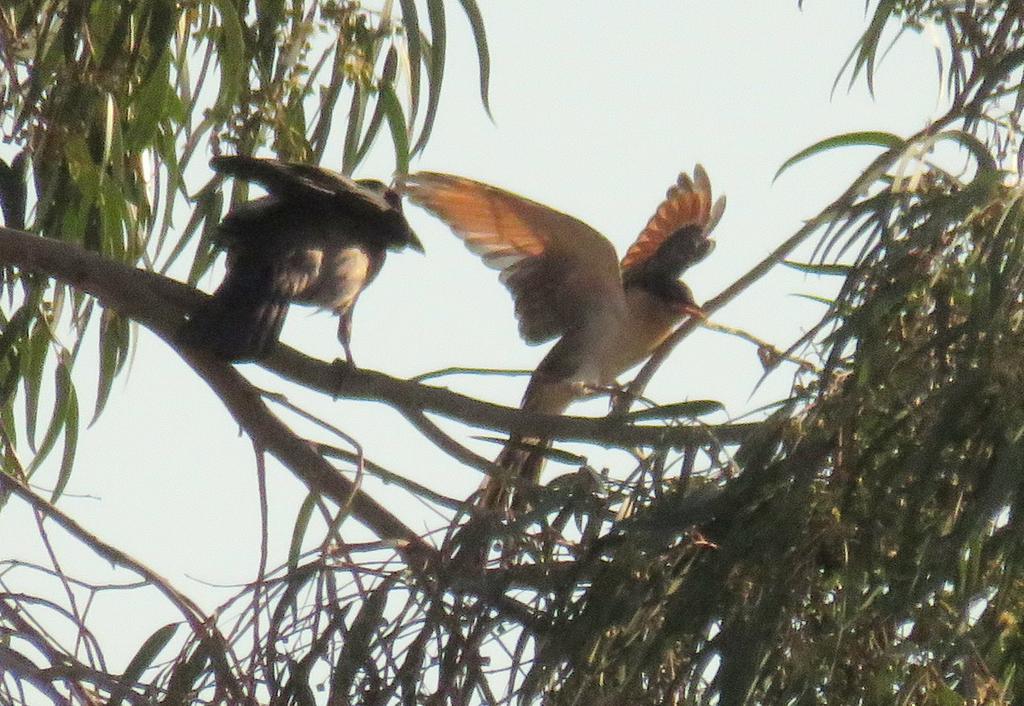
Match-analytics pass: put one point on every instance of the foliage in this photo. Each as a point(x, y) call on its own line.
point(861, 544)
point(110, 105)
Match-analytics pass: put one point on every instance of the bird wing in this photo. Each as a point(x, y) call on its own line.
point(560, 271)
point(341, 209)
point(303, 182)
point(676, 236)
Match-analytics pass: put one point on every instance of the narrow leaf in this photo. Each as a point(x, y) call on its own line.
point(689, 410)
point(548, 452)
point(869, 43)
point(231, 52)
point(67, 458)
point(827, 301)
point(399, 131)
point(109, 120)
point(145, 657)
point(435, 68)
point(32, 361)
point(868, 138)
point(411, 23)
point(16, 327)
point(476, 22)
point(975, 146)
point(63, 390)
point(356, 112)
point(113, 341)
point(185, 675)
point(387, 78)
point(299, 530)
point(812, 269)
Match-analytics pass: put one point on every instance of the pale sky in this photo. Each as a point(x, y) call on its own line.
point(596, 110)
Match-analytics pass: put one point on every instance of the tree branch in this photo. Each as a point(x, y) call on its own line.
point(202, 625)
point(161, 303)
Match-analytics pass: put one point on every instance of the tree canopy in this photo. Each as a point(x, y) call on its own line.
point(856, 542)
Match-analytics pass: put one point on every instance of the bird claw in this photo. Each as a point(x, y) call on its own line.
point(343, 366)
point(615, 391)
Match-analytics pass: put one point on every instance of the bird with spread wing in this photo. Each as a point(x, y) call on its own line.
point(317, 238)
point(568, 283)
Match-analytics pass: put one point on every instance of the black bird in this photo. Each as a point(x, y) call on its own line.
point(317, 238)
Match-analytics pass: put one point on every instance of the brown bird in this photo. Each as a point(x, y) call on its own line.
point(317, 238)
point(566, 281)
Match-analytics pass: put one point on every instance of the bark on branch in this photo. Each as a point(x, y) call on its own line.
point(161, 303)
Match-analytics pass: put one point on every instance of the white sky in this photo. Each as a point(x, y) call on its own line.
point(596, 111)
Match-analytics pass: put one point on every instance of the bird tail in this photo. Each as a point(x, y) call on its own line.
point(521, 461)
point(241, 321)
point(522, 458)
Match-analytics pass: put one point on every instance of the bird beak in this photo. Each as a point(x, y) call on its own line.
point(415, 243)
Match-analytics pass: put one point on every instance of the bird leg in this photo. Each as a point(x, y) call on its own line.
point(615, 391)
point(345, 335)
point(588, 389)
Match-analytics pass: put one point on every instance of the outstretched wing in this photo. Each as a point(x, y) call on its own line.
point(560, 270)
point(304, 183)
point(677, 235)
point(330, 203)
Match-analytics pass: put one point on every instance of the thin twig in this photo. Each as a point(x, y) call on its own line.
point(771, 350)
point(261, 569)
point(375, 469)
point(201, 624)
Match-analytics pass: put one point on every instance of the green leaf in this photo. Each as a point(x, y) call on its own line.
point(541, 449)
point(868, 43)
point(142, 660)
point(148, 106)
point(823, 269)
point(387, 77)
point(231, 47)
point(209, 202)
point(868, 138)
point(689, 410)
point(185, 675)
point(299, 530)
point(986, 161)
point(399, 131)
point(33, 360)
point(435, 68)
point(163, 16)
point(814, 298)
point(269, 17)
point(109, 121)
point(328, 101)
point(476, 22)
point(64, 389)
point(356, 113)
point(16, 327)
point(411, 23)
point(67, 458)
point(114, 340)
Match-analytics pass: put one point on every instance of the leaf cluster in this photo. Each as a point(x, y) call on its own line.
point(862, 544)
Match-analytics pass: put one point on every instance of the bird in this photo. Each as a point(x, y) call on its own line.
point(567, 282)
point(317, 238)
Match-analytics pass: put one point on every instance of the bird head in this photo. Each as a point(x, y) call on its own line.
point(676, 296)
point(403, 235)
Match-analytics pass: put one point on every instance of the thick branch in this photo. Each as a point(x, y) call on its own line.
point(160, 303)
point(247, 407)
